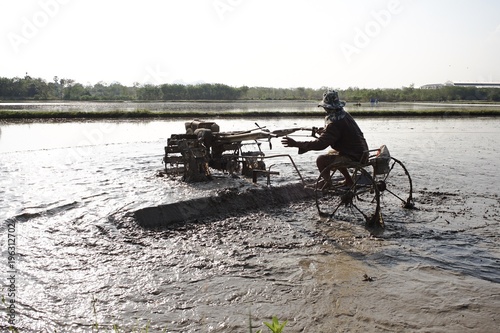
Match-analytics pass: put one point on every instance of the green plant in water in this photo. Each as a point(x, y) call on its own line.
point(275, 326)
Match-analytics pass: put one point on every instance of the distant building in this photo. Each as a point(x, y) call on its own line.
point(477, 84)
point(462, 84)
point(432, 86)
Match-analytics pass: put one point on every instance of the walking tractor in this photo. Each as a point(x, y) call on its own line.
point(203, 147)
point(382, 180)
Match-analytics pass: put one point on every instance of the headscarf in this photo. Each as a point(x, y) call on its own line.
point(333, 106)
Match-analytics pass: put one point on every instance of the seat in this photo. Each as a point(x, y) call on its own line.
point(381, 161)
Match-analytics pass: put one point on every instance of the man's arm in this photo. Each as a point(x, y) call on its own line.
point(327, 138)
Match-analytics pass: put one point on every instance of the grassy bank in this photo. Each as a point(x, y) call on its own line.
point(145, 114)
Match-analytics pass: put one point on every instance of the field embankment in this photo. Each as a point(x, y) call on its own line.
point(17, 115)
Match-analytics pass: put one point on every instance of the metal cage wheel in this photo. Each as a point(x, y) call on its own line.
point(336, 201)
point(395, 186)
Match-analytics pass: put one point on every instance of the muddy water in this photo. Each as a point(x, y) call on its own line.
point(81, 258)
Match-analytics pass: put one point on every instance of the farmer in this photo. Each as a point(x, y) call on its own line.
point(340, 133)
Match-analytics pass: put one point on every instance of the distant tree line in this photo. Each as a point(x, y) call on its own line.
point(412, 94)
point(28, 88)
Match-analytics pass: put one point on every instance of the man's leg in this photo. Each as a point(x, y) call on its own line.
point(347, 176)
point(323, 161)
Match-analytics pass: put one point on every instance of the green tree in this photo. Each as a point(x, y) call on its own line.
point(149, 92)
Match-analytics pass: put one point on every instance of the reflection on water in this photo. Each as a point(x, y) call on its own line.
point(232, 106)
point(275, 106)
point(45, 135)
point(70, 185)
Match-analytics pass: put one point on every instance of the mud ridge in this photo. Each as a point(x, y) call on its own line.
point(230, 201)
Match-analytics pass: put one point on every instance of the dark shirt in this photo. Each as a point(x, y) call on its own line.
point(343, 135)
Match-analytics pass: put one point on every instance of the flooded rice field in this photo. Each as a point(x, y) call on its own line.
point(69, 190)
point(235, 106)
point(216, 106)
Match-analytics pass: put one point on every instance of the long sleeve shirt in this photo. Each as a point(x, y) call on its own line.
point(343, 135)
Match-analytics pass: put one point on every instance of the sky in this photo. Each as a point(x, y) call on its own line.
point(257, 43)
